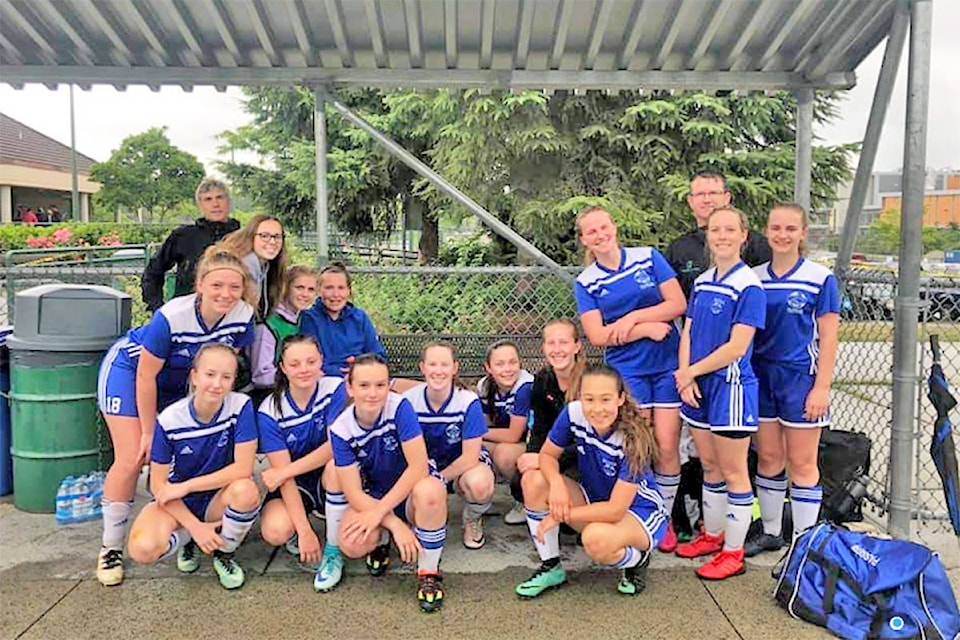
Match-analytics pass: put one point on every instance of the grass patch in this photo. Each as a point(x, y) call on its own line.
point(883, 331)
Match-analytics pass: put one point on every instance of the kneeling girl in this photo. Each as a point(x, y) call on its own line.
point(615, 505)
point(201, 473)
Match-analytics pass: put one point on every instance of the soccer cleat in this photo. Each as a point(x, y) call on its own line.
point(378, 560)
point(330, 572)
point(725, 564)
point(188, 557)
point(546, 577)
point(293, 546)
point(516, 515)
point(633, 580)
point(110, 567)
point(429, 592)
point(762, 542)
point(473, 537)
point(228, 571)
point(669, 542)
point(703, 545)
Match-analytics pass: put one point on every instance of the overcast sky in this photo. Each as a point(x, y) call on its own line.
point(106, 116)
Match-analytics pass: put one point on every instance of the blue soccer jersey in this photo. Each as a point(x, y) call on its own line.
point(601, 459)
point(717, 304)
point(794, 303)
point(515, 402)
point(301, 431)
point(459, 418)
point(635, 285)
point(376, 451)
point(175, 333)
point(194, 448)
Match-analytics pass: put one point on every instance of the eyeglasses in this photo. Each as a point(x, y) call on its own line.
point(707, 194)
point(271, 237)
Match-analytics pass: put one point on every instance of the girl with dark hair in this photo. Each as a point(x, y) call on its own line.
point(293, 423)
point(201, 473)
point(615, 505)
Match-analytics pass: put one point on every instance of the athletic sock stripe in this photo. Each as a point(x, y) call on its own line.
point(740, 499)
point(242, 516)
point(536, 515)
point(667, 480)
point(720, 487)
point(776, 483)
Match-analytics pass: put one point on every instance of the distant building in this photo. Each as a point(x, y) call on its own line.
point(35, 173)
point(941, 202)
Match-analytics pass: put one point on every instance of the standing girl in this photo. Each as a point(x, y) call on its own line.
point(293, 424)
point(299, 292)
point(201, 473)
point(616, 504)
point(555, 386)
point(719, 392)
point(453, 427)
point(628, 299)
point(260, 244)
point(343, 330)
point(383, 471)
point(148, 369)
point(505, 398)
point(794, 359)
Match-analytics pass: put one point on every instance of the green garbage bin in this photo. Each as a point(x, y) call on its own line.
point(60, 335)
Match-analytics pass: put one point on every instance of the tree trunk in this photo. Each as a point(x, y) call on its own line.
point(430, 239)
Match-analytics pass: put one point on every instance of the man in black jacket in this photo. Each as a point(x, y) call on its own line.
point(688, 253)
point(184, 246)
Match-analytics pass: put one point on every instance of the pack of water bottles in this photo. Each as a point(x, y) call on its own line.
point(79, 498)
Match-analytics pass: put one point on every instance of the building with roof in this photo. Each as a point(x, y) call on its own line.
point(36, 172)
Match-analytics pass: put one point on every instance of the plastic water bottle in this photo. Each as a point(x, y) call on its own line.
point(81, 499)
point(96, 494)
point(64, 510)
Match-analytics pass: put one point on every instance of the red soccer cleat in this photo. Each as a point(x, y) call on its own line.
point(703, 545)
point(669, 542)
point(725, 564)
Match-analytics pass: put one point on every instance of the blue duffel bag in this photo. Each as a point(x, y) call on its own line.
point(859, 586)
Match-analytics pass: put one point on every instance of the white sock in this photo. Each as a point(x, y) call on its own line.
point(235, 527)
point(714, 507)
point(739, 514)
point(116, 516)
point(334, 507)
point(550, 548)
point(668, 486)
point(178, 538)
point(432, 541)
point(384, 537)
point(805, 507)
point(772, 491)
point(631, 558)
point(473, 510)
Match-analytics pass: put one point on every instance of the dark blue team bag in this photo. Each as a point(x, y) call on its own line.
point(859, 586)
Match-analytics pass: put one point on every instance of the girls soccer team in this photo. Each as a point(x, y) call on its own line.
point(755, 359)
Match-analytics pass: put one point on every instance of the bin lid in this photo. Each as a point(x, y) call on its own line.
point(69, 317)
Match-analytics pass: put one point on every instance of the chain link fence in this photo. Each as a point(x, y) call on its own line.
point(473, 307)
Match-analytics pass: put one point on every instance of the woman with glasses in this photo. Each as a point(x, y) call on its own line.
point(260, 245)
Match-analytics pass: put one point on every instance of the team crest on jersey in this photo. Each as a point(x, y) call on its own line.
point(390, 442)
point(643, 279)
point(716, 308)
point(610, 468)
point(796, 301)
point(224, 439)
point(453, 433)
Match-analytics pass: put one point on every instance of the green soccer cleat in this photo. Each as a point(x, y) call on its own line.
point(330, 572)
point(430, 592)
point(228, 571)
point(188, 557)
point(546, 577)
point(633, 580)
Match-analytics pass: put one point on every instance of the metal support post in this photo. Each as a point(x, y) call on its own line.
point(803, 166)
point(320, 139)
point(905, 331)
point(455, 194)
point(871, 139)
point(75, 213)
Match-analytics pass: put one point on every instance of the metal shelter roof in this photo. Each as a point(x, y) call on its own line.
point(489, 44)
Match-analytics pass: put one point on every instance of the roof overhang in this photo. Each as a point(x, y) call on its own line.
point(486, 44)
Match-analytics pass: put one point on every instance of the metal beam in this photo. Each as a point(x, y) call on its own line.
point(298, 21)
point(803, 166)
point(24, 23)
point(864, 23)
point(320, 140)
point(262, 29)
point(813, 40)
point(871, 138)
point(180, 17)
point(225, 30)
point(633, 32)
point(427, 78)
point(487, 24)
point(601, 17)
point(799, 11)
point(94, 13)
point(450, 32)
point(375, 25)
point(560, 29)
point(335, 18)
point(455, 194)
point(83, 52)
point(411, 13)
point(705, 37)
point(524, 30)
point(670, 32)
point(733, 60)
point(907, 307)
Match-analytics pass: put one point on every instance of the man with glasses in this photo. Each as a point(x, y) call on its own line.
point(184, 246)
point(688, 253)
